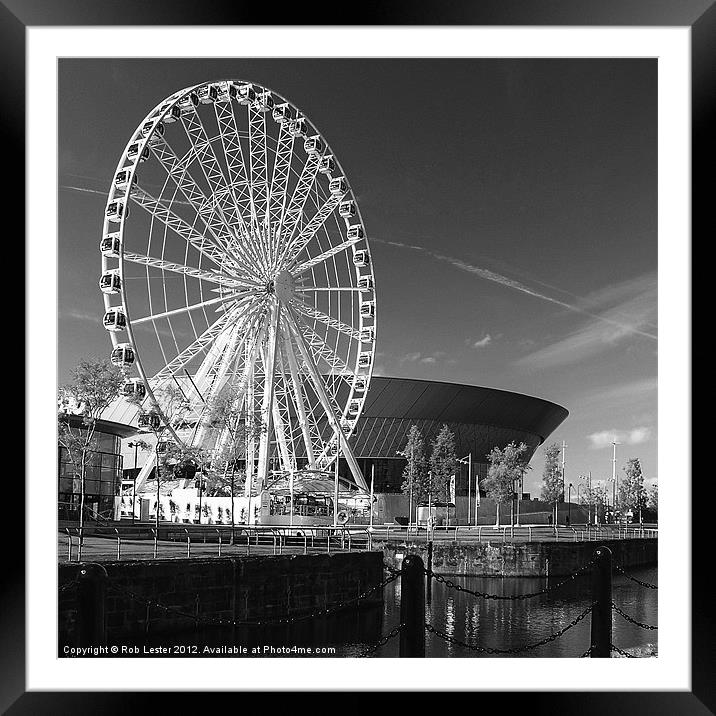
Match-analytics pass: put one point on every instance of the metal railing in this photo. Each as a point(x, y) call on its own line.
point(512, 533)
point(143, 541)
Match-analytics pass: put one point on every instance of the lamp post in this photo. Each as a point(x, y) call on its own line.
point(467, 460)
point(135, 445)
point(569, 504)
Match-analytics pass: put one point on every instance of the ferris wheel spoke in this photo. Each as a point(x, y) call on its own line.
point(327, 254)
point(231, 143)
point(294, 212)
point(324, 318)
point(345, 289)
point(193, 349)
point(258, 161)
point(166, 216)
point(228, 208)
point(201, 274)
point(279, 184)
point(205, 207)
point(297, 244)
point(321, 350)
point(298, 398)
point(269, 358)
point(325, 401)
point(184, 309)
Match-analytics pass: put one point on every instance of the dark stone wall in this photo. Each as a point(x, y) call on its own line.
point(232, 588)
point(527, 559)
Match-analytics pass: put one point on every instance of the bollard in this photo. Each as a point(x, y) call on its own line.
point(92, 585)
point(429, 583)
point(412, 608)
point(601, 635)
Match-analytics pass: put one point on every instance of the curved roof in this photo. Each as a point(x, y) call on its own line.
point(411, 399)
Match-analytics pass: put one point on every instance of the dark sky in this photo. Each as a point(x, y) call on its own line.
point(511, 207)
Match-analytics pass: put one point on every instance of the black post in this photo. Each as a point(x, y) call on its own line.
point(90, 605)
point(601, 637)
point(429, 583)
point(412, 607)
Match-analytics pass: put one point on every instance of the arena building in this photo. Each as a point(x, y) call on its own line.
point(480, 419)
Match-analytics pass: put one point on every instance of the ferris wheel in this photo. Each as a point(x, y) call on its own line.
point(235, 262)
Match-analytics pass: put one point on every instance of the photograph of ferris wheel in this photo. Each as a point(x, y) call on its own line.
point(247, 467)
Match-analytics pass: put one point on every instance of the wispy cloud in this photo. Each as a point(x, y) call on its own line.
point(79, 315)
point(597, 335)
point(623, 392)
point(614, 319)
point(483, 342)
point(425, 358)
point(605, 438)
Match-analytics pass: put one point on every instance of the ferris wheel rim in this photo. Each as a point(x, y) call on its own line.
point(156, 116)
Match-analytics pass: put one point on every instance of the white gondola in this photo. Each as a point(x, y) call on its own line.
point(361, 258)
point(123, 179)
point(313, 145)
point(187, 104)
point(364, 360)
point(347, 209)
point(367, 309)
point(122, 355)
point(327, 164)
point(134, 153)
point(207, 94)
point(359, 385)
point(298, 127)
point(282, 113)
point(115, 319)
point(367, 334)
point(148, 422)
point(134, 389)
point(148, 128)
point(264, 101)
point(354, 407)
point(246, 94)
point(347, 428)
point(339, 185)
point(355, 232)
point(365, 283)
point(116, 210)
point(110, 245)
point(110, 282)
point(224, 91)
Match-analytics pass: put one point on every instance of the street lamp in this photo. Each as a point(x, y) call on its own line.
point(135, 445)
point(569, 504)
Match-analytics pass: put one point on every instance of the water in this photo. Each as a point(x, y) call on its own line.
point(488, 623)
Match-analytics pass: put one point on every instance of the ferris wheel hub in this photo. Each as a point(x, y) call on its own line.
point(283, 286)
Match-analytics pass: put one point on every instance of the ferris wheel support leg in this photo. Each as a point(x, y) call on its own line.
point(268, 397)
point(326, 403)
point(303, 418)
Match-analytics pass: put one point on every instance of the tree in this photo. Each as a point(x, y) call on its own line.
point(443, 464)
point(595, 498)
point(632, 495)
point(551, 477)
point(506, 467)
point(171, 459)
point(652, 499)
point(415, 473)
point(95, 384)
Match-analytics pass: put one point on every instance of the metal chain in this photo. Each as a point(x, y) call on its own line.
point(621, 651)
point(516, 650)
point(630, 619)
point(634, 579)
point(382, 642)
point(215, 621)
point(588, 652)
point(67, 585)
point(484, 595)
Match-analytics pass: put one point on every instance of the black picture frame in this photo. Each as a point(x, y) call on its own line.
point(699, 15)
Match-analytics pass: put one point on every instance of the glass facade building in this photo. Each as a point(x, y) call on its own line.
point(103, 473)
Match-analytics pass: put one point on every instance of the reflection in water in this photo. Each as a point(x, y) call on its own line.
point(485, 622)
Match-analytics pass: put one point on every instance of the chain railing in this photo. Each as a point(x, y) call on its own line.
point(93, 578)
point(646, 585)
